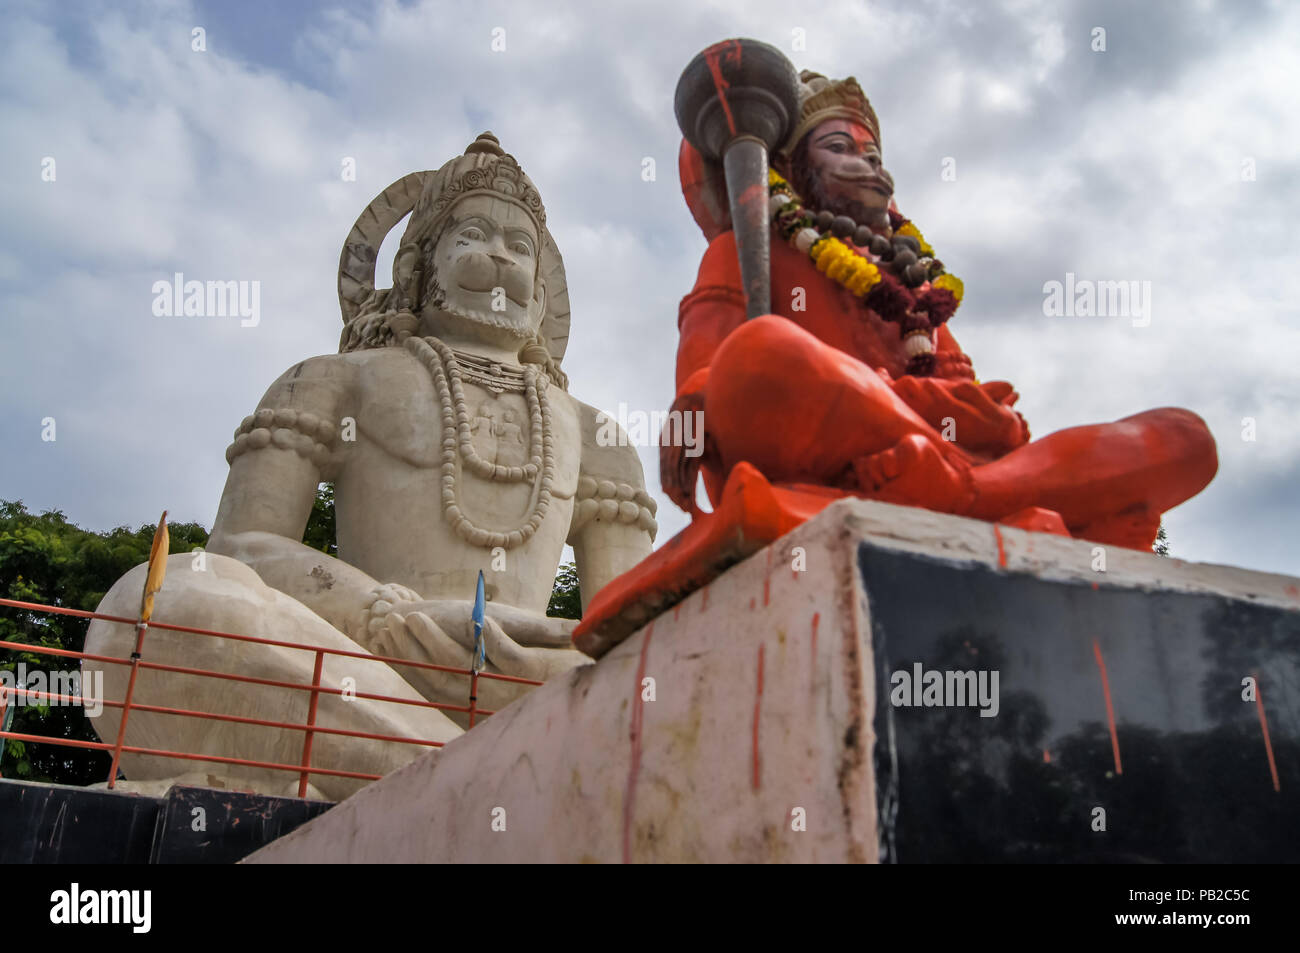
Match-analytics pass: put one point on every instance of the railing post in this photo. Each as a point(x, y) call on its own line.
point(4, 722)
point(140, 629)
point(473, 696)
point(311, 723)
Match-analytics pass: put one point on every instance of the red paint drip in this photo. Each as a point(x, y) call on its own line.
point(752, 600)
point(1002, 549)
point(638, 707)
point(713, 56)
point(757, 700)
point(677, 610)
point(1110, 708)
point(704, 601)
point(817, 617)
point(767, 581)
point(1263, 725)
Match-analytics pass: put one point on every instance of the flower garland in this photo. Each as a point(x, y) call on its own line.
point(915, 292)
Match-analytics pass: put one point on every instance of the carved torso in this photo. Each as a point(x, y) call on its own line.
point(388, 485)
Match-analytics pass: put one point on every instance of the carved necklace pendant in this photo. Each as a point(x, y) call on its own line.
point(446, 367)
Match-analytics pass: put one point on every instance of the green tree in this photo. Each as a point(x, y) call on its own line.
point(44, 558)
point(1161, 546)
point(320, 533)
point(566, 599)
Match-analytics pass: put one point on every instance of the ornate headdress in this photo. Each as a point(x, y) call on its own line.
point(484, 169)
point(821, 99)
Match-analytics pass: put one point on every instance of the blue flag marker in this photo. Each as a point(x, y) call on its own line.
point(480, 653)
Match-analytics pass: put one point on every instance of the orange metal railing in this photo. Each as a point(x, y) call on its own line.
point(305, 769)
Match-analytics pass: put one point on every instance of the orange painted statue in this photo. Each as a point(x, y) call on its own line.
point(855, 385)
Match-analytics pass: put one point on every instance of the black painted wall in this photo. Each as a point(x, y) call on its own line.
point(1192, 781)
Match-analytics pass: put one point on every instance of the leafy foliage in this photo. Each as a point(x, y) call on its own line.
point(1161, 546)
point(566, 600)
point(320, 532)
point(44, 558)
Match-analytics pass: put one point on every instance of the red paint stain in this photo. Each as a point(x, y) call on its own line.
point(1110, 708)
point(767, 581)
point(635, 735)
point(1263, 726)
point(751, 603)
point(713, 56)
point(1095, 587)
point(1293, 592)
point(677, 610)
point(1047, 756)
point(817, 617)
point(758, 698)
point(1002, 549)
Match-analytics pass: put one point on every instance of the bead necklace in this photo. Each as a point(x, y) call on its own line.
point(445, 366)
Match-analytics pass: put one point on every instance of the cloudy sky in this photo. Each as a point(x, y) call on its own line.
point(1171, 157)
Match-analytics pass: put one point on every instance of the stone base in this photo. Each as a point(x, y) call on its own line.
point(60, 824)
point(765, 718)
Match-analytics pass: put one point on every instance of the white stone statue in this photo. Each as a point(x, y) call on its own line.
point(445, 424)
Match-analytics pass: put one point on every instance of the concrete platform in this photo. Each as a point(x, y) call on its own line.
point(886, 684)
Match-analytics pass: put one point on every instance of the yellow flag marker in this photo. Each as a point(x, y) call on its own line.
point(157, 568)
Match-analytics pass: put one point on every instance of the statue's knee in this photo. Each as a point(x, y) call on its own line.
point(1186, 445)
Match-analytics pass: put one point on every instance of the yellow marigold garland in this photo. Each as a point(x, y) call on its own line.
point(834, 258)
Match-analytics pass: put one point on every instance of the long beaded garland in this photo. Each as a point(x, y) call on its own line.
point(445, 369)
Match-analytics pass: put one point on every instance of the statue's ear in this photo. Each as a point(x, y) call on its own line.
point(406, 272)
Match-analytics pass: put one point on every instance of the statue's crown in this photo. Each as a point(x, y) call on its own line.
point(821, 99)
point(484, 169)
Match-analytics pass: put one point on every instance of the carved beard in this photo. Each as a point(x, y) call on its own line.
point(435, 296)
point(497, 320)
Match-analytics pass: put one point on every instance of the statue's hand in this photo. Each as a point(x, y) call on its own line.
point(678, 473)
point(515, 642)
point(980, 414)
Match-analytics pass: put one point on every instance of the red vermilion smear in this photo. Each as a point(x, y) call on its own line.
point(752, 600)
point(817, 617)
point(757, 700)
point(1293, 592)
point(1263, 724)
point(1002, 549)
point(1047, 756)
point(635, 735)
point(767, 580)
point(713, 57)
point(1110, 709)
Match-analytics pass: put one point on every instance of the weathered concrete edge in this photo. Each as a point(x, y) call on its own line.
point(1051, 557)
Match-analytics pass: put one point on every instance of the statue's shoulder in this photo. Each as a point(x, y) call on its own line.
point(318, 383)
point(607, 454)
point(720, 264)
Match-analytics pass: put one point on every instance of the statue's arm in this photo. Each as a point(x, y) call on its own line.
point(279, 456)
point(714, 308)
point(613, 523)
